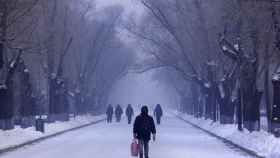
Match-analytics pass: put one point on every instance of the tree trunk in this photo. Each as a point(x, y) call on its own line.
point(239, 108)
point(267, 89)
point(251, 96)
point(226, 104)
point(275, 119)
point(195, 97)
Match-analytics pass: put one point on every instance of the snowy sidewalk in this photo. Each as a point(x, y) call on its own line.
point(19, 136)
point(175, 139)
point(262, 142)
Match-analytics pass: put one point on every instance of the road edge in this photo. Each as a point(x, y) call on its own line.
point(38, 140)
point(224, 140)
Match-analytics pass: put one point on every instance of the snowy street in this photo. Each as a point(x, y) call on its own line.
point(73, 73)
point(175, 139)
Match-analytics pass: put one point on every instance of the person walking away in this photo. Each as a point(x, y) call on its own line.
point(143, 127)
point(158, 113)
point(129, 113)
point(109, 113)
point(118, 113)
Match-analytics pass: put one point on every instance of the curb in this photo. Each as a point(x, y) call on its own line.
point(224, 140)
point(31, 142)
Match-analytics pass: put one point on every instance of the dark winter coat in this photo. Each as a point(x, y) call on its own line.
point(110, 111)
point(158, 111)
point(143, 127)
point(129, 111)
point(118, 111)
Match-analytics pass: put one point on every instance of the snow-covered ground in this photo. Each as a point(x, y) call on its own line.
point(263, 143)
point(19, 135)
point(175, 139)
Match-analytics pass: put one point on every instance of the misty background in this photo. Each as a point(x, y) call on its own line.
point(138, 89)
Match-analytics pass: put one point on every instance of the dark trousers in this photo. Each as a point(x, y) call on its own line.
point(109, 118)
point(118, 118)
point(129, 119)
point(144, 149)
point(158, 120)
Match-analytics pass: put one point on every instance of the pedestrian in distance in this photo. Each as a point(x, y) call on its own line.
point(109, 113)
point(118, 113)
point(143, 127)
point(129, 113)
point(158, 113)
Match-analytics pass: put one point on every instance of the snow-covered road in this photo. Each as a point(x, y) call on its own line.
point(175, 139)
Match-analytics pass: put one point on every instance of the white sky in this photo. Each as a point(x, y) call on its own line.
point(131, 6)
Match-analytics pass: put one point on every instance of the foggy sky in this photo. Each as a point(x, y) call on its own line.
point(140, 89)
point(130, 6)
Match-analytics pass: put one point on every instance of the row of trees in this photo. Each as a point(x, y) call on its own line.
point(58, 57)
point(223, 56)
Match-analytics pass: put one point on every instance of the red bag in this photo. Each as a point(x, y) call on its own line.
point(134, 148)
